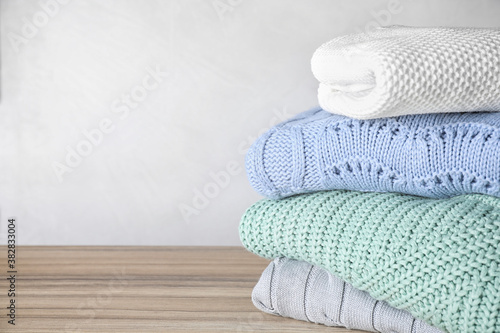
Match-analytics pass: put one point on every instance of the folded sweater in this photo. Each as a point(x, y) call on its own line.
point(438, 259)
point(401, 70)
point(302, 291)
point(433, 155)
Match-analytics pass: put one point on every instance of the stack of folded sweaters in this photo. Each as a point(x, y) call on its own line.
point(383, 209)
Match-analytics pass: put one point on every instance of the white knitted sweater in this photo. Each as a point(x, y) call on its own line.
point(400, 70)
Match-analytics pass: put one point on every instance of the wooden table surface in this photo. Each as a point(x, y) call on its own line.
point(139, 289)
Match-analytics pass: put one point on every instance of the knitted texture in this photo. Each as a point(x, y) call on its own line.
point(433, 155)
point(400, 70)
point(299, 290)
point(438, 259)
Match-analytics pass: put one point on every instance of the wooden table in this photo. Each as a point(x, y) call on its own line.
point(139, 289)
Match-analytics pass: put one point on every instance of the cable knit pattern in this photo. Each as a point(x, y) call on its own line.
point(433, 155)
point(407, 70)
point(437, 259)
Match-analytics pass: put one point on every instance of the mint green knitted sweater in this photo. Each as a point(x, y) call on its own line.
point(439, 259)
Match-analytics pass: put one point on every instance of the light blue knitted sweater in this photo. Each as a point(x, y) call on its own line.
point(430, 155)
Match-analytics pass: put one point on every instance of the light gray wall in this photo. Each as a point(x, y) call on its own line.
point(226, 71)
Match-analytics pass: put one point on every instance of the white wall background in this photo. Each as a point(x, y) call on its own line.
point(230, 68)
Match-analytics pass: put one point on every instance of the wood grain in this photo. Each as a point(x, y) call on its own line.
point(139, 289)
